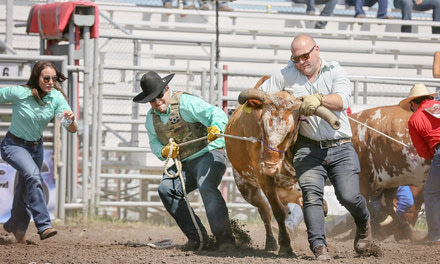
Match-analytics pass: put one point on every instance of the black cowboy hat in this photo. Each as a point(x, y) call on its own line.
point(152, 85)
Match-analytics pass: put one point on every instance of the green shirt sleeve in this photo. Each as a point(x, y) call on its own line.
point(13, 93)
point(155, 145)
point(30, 119)
point(194, 109)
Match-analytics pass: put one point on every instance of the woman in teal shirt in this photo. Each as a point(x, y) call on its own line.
point(33, 106)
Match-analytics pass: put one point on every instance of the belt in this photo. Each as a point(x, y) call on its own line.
point(323, 144)
point(23, 141)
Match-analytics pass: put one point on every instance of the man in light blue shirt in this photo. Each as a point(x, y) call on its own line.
point(184, 117)
point(321, 152)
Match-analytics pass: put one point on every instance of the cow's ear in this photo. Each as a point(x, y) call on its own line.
point(254, 103)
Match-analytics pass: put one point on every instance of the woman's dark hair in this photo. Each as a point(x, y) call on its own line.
point(33, 83)
point(420, 99)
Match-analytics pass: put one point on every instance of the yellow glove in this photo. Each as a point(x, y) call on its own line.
point(212, 131)
point(310, 104)
point(166, 150)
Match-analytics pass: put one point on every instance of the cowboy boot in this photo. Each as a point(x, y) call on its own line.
point(363, 239)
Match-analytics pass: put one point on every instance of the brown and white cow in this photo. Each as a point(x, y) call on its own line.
point(263, 166)
point(386, 164)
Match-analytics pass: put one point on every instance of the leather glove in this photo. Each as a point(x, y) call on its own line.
point(165, 150)
point(212, 131)
point(310, 104)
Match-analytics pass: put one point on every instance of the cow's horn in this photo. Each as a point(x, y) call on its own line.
point(328, 116)
point(251, 94)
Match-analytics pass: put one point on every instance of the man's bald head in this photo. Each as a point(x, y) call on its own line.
point(305, 55)
point(302, 41)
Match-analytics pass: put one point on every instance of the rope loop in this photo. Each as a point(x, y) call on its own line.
point(182, 181)
point(176, 161)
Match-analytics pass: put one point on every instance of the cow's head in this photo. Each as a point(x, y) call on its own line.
point(278, 116)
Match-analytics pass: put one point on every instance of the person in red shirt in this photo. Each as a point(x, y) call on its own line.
point(424, 129)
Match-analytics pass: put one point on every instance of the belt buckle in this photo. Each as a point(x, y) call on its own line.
point(323, 146)
point(32, 143)
point(330, 143)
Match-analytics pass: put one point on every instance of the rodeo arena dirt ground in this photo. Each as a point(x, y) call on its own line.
point(109, 242)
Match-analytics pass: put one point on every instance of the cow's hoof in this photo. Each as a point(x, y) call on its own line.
point(287, 252)
point(271, 246)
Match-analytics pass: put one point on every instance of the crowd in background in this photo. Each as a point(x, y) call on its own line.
point(406, 7)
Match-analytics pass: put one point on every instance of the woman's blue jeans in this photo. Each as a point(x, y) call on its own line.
point(340, 165)
point(204, 173)
point(29, 199)
point(431, 194)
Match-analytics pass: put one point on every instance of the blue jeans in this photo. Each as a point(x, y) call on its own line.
point(408, 5)
point(220, 4)
point(170, 1)
point(431, 194)
point(29, 199)
point(359, 4)
point(204, 173)
point(340, 165)
point(328, 8)
point(327, 11)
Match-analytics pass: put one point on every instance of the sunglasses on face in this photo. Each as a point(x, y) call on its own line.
point(159, 96)
point(303, 57)
point(47, 79)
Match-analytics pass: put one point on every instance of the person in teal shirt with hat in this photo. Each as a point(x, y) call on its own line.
point(34, 105)
point(185, 117)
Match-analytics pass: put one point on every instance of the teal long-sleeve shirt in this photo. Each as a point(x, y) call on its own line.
point(192, 109)
point(29, 119)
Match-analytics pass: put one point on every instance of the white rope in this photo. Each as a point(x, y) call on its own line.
point(377, 131)
point(179, 173)
point(251, 139)
point(192, 141)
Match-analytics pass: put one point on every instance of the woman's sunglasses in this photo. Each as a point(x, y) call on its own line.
point(47, 79)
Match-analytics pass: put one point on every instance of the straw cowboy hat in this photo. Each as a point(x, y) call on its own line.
point(416, 91)
point(152, 85)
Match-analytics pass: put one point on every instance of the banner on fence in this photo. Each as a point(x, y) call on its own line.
point(8, 179)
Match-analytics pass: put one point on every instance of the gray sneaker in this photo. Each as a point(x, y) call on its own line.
point(188, 7)
point(205, 7)
point(225, 8)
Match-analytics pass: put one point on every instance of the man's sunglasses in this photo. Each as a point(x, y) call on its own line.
point(47, 79)
point(159, 96)
point(303, 57)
